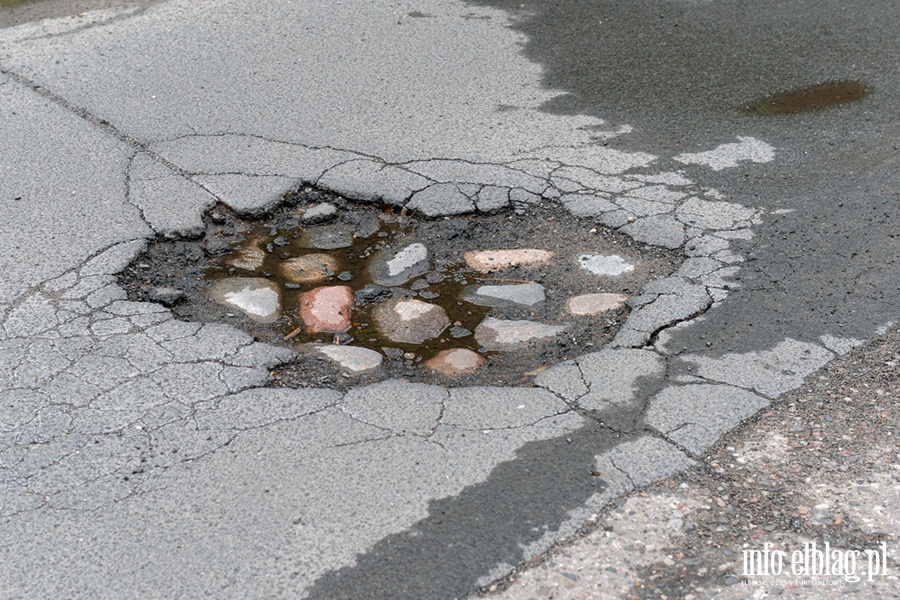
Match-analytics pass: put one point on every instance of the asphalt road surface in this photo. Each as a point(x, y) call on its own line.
point(141, 456)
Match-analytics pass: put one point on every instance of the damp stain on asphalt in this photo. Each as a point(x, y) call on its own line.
point(810, 98)
point(679, 72)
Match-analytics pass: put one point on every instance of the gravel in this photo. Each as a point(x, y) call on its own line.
point(822, 464)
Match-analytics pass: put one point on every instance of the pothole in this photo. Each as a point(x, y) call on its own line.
point(367, 292)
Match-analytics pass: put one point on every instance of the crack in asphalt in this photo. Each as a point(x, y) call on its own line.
point(94, 18)
point(554, 181)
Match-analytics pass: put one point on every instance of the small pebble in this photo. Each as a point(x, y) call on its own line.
point(216, 246)
point(343, 339)
point(167, 296)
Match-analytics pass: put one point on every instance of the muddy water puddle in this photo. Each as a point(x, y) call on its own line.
point(348, 266)
point(366, 292)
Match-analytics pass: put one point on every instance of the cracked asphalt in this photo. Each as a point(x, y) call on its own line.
point(142, 456)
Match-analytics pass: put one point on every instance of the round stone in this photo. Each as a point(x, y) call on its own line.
point(326, 309)
point(455, 361)
point(602, 264)
point(594, 304)
point(523, 294)
point(258, 298)
point(410, 321)
point(485, 261)
point(392, 269)
point(250, 258)
point(309, 268)
point(352, 358)
point(328, 237)
point(500, 334)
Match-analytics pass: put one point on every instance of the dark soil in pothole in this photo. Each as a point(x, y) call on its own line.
point(179, 273)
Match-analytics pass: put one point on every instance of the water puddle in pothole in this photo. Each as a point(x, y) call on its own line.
point(810, 98)
point(368, 292)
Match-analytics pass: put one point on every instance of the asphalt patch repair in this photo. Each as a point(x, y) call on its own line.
point(317, 241)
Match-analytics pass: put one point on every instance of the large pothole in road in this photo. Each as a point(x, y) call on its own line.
point(367, 292)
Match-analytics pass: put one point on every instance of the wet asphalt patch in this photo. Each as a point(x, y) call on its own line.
point(488, 523)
